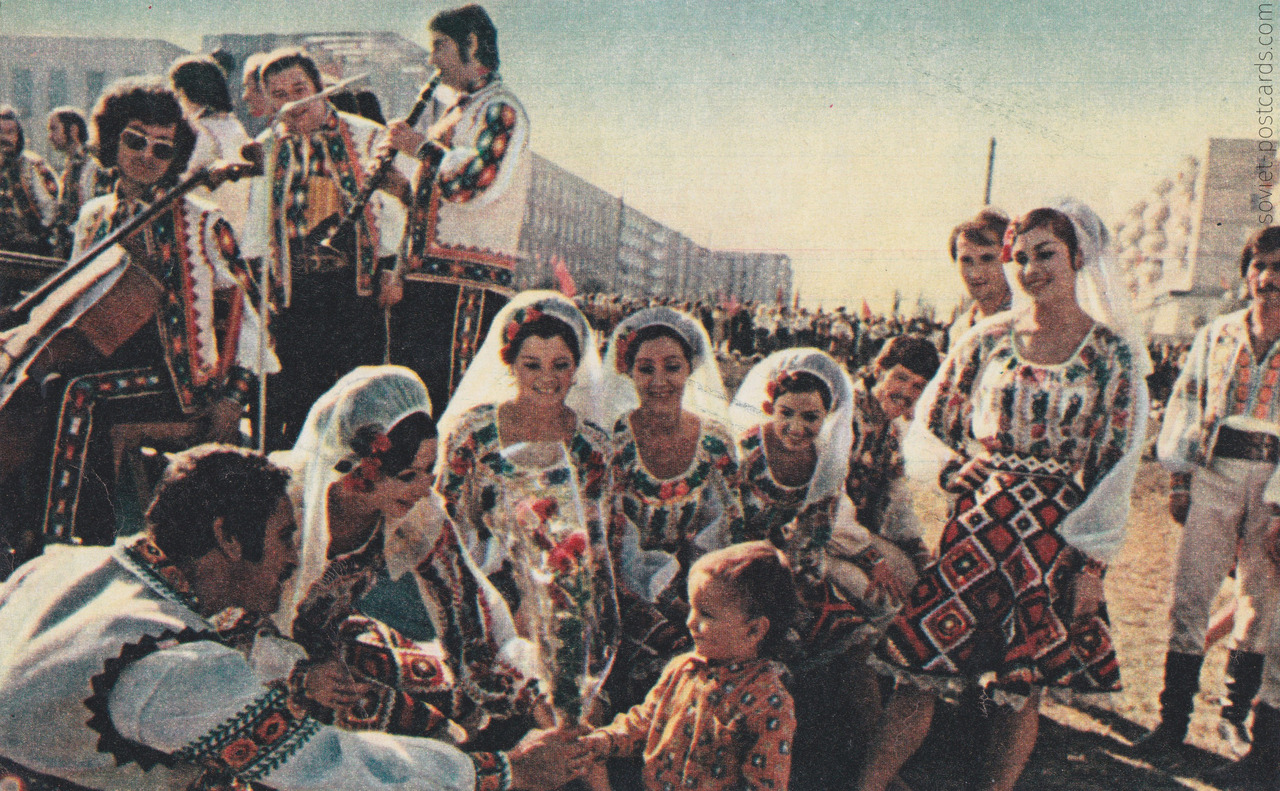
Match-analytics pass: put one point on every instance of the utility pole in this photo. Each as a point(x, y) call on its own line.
point(991, 165)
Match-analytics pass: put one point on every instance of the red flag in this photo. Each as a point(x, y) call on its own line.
point(866, 310)
point(563, 279)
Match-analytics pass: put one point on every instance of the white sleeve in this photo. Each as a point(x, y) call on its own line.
point(848, 536)
point(202, 703)
point(901, 523)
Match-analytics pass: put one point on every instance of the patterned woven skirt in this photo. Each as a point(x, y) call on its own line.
point(996, 605)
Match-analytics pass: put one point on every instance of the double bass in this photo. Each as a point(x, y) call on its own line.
point(81, 315)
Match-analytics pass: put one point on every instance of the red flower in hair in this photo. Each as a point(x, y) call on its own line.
point(782, 380)
point(520, 318)
point(368, 470)
point(1006, 248)
point(624, 344)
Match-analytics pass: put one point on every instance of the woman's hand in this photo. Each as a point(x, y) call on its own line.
point(331, 685)
point(1089, 595)
point(884, 583)
point(970, 476)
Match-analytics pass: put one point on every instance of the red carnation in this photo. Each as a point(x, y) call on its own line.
point(545, 508)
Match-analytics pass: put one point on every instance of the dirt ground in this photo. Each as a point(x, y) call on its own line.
point(1084, 745)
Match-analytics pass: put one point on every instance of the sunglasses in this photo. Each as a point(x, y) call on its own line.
point(136, 141)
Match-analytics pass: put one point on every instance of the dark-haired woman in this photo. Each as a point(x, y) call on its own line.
point(402, 632)
point(524, 477)
point(201, 85)
point(674, 471)
point(794, 415)
point(1035, 420)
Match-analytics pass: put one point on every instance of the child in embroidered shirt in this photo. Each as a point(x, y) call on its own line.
point(719, 717)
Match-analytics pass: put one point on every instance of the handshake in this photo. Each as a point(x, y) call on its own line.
point(545, 759)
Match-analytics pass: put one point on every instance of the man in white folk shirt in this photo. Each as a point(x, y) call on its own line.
point(1221, 442)
point(114, 674)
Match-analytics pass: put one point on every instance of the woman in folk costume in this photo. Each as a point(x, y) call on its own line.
point(1035, 421)
point(793, 416)
point(404, 633)
point(674, 472)
point(524, 476)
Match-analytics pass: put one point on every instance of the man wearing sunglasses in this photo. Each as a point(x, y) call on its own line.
point(184, 375)
point(330, 318)
point(28, 191)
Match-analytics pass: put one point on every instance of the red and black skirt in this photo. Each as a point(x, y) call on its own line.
point(997, 604)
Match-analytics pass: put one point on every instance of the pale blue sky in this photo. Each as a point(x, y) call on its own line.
point(851, 135)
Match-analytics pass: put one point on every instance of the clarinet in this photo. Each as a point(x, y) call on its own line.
point(344, 229)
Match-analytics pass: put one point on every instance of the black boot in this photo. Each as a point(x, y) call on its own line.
point(1244, 677)
point(1257, 769)
point(1181, 682)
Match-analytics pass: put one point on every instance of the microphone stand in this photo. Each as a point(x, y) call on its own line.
point(264, 271)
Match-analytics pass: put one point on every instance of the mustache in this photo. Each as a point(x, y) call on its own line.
point(1269, 290)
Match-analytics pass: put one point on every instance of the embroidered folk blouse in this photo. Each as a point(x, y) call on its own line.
point(686, 516)
point(1078, 418)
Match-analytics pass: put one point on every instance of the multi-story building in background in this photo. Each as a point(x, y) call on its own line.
point(1179, 249)
point(604, 244)
point(39, 73)
point(607, 245)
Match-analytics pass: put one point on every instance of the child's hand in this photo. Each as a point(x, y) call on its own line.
point(331, 685)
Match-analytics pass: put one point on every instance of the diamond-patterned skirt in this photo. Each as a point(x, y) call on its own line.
point(997, 603)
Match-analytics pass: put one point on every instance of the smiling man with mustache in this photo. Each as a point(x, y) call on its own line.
point(118, 670)
point(1221, 440)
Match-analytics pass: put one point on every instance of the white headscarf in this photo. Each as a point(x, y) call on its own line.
point(704, 394)
point(833, 442)
point(373, 394)
point(489, 380)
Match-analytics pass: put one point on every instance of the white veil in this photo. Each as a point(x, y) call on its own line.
point(489, 380)
point(381, 394)
point(835, 440)
point(704, 393)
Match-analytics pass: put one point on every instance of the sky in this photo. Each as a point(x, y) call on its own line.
point(850, 135)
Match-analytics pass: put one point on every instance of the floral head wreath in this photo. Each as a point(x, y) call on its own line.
point(780, 381)
point(659, 316)
point(520, 318)
point(362, 468)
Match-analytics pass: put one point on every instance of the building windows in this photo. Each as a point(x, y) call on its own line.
point(23, 88)
point(93, 84)
point(57, 88)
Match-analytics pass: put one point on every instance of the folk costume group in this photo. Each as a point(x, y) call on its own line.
point(507, 562)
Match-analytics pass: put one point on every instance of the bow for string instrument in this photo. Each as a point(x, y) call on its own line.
point(52, 328)
point(342, 238)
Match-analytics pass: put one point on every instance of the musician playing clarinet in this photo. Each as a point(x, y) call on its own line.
point(186, 375)
point(329, 305)
point(468, 201)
